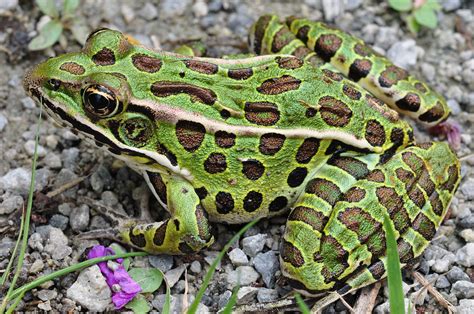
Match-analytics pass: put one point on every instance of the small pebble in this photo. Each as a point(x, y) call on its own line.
point(267, 264)
point(90, 290)
point(267, 295)
point(196, 267)
point(246, 295)
point(254, 244)
point(243, 276)
point(80, 217)
point(3, 122)
point(463, 289)
point(456, 274)
point(465, 255)
point(238, 257)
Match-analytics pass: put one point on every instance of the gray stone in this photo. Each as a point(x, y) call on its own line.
point(16, 180)
point(442, 265)
point(36, 267)
point(10, 203)
point(465, 307)
point(45, 306)
point(246, 295)
point(109, 198)
point(29, 147)
point(195, 267)
point(70, 157)
point(454, 106)
point(403, 53)
point(56, 244)
point(243, 276)
point(53, 160)
point(238, 257)
point(468, 72)
point(386, 36)
point(254, 244)
point(224, 299)
point(172, 8)
point(267, 265)
point(80, 217)
point(467, 222)
point(176, 303)
point(47, 294)
point(450, 5)
point(65, 209)
point(442, 282)
point(35, 241)
point(3, 122)
point(65, 176)
point(463, 289)
point(162, 262)
point(467, 235)
point(210, 258)
point(384, 308)
point(267, 295)
point(59, 221)
point(128, 13)
point(173, 275)
point(428, 71)
point(465, 255)
point(28, 103)
point(468, 189)
point(200, 8)
point(352, 4)
point(6, 5)
point(90, 290)
point(332, 9)
point(456, 274)
point(148, 11)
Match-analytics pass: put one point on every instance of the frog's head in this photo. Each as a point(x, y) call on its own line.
point(89, 92)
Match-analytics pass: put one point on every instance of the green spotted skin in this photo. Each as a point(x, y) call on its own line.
point(232, 140)
point(334, 49)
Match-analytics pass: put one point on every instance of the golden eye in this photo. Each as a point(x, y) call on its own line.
point(100, 101)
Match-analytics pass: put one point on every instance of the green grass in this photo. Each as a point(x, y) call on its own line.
point(394, 274)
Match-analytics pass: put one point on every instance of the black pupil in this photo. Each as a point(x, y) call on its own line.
point(54, 84)
point(98, 101)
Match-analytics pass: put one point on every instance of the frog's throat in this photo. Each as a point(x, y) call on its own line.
point(165, 113)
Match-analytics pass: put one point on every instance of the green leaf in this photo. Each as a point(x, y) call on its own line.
point(302, 306)
point(413, 25)
point(138, 304)
point(394, 274)
point(47, 36)
point(432, 4)
point(400, 5)
point(426, 17)
point(48, 7)
point(149, 279)
point(70, 7)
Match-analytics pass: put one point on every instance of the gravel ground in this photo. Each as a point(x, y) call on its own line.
point(443, 56)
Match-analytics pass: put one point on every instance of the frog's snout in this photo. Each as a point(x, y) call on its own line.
point(33, 81)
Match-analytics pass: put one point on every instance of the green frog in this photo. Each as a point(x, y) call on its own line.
point(310, 125)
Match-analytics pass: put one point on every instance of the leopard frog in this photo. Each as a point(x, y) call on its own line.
point(307, 126)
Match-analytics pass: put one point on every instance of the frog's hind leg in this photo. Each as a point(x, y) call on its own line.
point(334, 239)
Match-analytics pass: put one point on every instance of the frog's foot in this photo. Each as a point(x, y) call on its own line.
point(343, 209)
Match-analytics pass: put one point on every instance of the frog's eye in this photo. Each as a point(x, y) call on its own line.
point(54, 84)
point(100, 101)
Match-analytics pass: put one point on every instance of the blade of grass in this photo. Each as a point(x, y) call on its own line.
point(17, 245)
point(193, 308)
point(301, 304)
point(76, 267)
point(394, 274)
point(232, 301)
point(27, 215)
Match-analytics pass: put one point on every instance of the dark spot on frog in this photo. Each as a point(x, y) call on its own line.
point(176, 224)
point(224, 202)
point(190, 134)
point(253, 169)
point(278, 204)
point(104, 57)
point(215, 163)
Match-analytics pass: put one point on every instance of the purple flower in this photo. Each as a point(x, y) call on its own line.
point(451, 130)
point(123, 287)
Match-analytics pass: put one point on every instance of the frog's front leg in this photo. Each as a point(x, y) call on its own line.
point(186, 231)
point(335, 239)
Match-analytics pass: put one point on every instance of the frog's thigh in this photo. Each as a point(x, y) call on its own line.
point(186, 231)
point(334, 238)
